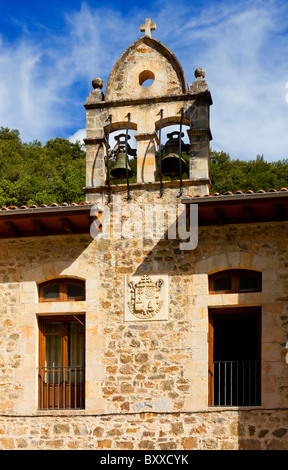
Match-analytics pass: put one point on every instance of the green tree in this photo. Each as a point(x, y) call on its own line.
point(232, 175)
point(36, 174)
point(32, 173)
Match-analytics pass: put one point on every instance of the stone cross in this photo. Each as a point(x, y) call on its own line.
point(148, 27)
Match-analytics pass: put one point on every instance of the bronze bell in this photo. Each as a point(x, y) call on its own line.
point(119, 169)
point(170, 163)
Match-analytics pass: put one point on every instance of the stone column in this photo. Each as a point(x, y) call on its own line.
point(95, 162)
point(146, 161)
point(199, 154)
point(199, 132)
point(95, 140)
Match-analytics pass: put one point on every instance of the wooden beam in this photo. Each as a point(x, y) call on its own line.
point(248, 213)
point(67, 226)
point(219, 215)
point(279, 212)
point(39, 227)
point(13, 229)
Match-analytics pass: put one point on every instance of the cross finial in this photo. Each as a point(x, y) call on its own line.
point(148, 27)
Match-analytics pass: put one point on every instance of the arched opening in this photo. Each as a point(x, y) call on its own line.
point(62, 290)
point(146, 78)
point(117, 156)
point(169, 150)
point(235, 281)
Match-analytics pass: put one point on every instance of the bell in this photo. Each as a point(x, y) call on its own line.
point(170, 163)
point(119, 169)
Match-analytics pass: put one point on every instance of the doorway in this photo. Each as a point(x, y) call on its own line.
point(235, 357)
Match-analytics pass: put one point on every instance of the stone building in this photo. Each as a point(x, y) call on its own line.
point(154, 314)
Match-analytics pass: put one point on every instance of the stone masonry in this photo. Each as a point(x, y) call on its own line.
point(146, 378)
point(142, 375)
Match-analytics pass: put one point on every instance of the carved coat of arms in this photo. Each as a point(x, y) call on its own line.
point(144, 300)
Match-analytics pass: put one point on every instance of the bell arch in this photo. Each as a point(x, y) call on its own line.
point(120, 137)
point(171, 121)
point(120, 126)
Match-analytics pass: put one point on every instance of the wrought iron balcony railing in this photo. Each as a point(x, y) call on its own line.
point(236, 383)
point(61, 387)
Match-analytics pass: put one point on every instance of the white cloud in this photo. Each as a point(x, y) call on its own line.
point(242, 46)
point(243, 49)
point(44, 83)
point(78, 136)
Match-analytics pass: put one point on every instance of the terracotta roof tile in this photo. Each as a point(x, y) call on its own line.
point(54, 204)
point(230, 193)
point(83, 203)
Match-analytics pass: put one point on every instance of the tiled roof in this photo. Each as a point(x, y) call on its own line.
point(239, 192)
point(75, 218)
point(84, 203)
point(240, 207)
point(34, 206)
point(53, 219)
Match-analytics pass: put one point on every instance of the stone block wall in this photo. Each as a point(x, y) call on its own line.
point(225, 430)
point(146, 382)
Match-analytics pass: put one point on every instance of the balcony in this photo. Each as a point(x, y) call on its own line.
point(61, 388)
point(235, 383)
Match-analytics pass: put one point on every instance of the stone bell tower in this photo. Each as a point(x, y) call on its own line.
point(130, 105)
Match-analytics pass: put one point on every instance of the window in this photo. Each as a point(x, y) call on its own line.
point(235, 356)
point(61, 290)
point(61, 362)
point(235, 280)
point(146, 78)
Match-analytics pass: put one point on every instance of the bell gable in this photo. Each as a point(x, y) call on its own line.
point(146, 69)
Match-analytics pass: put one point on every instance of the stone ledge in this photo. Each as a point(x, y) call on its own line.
point(153, 100)
point(145, 186)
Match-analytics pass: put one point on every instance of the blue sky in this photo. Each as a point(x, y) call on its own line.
point(50, 52)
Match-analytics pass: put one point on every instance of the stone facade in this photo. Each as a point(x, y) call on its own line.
point(229, 430)
point(146, 383)
point(146, 378)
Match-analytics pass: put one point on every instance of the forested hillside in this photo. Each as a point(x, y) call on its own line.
point(55, 172)
point(36, 174)
point(232, 175)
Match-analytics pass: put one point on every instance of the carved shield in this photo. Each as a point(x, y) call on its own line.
point(144, 302)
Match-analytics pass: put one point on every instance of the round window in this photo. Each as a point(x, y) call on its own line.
point(146, 78)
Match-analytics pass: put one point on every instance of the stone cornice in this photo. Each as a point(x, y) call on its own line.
point(151, 100)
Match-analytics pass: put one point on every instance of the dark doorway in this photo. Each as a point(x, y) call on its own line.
point(234, 357)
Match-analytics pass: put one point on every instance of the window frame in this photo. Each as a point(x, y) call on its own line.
point(62, 282)
point(235, 281)
point(43, 392)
